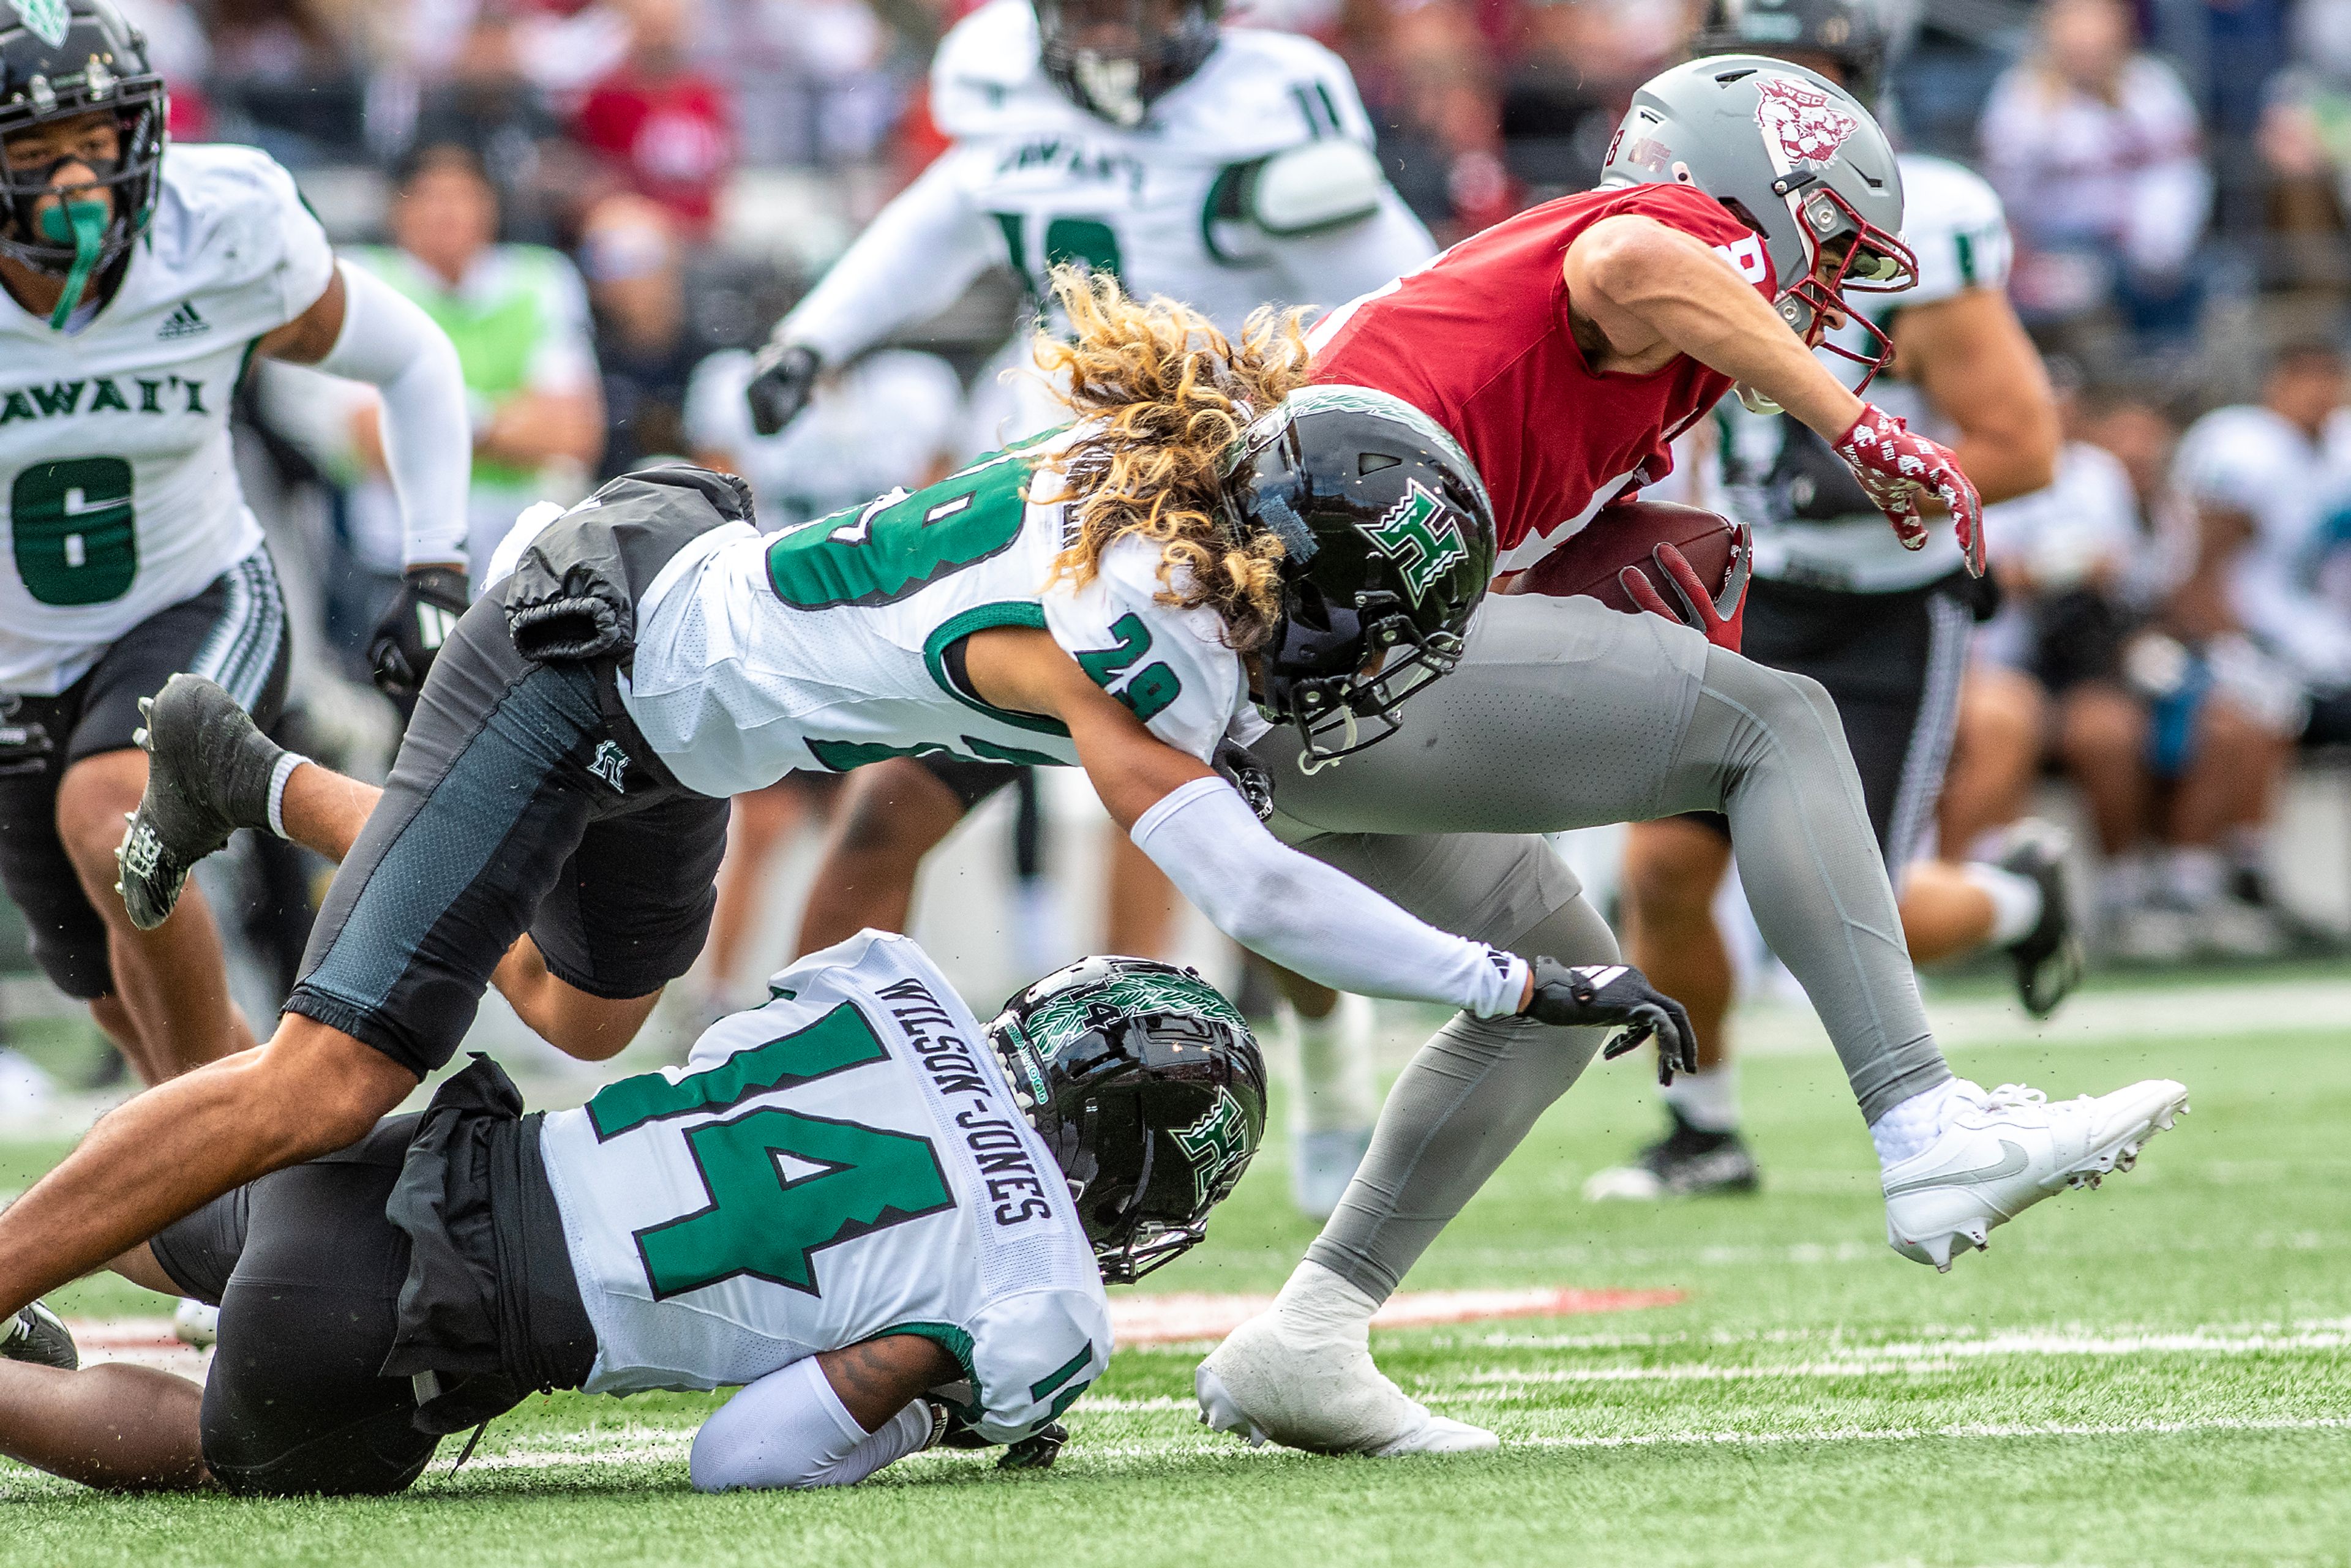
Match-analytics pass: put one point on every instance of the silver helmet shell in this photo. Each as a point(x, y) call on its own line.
point(1795, 158)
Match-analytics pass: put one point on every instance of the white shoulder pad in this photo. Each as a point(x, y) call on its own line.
point(1261, 93)
point(230, 226)
point(1954, 224)
point(1318, 186)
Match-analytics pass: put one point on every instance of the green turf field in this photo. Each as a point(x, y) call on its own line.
point(2159, 1372)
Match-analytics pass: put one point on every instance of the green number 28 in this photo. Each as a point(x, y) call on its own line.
point(894, 547)
point(74, 529)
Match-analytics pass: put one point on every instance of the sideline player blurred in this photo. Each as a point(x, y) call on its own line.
point(140, 279)
point(1223, 168)
point(929, 1269)
point(1883, 628)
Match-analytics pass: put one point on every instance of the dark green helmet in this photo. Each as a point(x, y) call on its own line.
point(60, 59)
point(1389, 542)
point(1115, 58)
point(1847, 32)
point(1148, 1087)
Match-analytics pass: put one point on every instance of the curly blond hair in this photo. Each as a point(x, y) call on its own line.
point(1163, 396)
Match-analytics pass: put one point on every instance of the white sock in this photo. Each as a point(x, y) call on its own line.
point(1316, 1303)
point(1336, 1089)
point(1909, 1128)
point(2195, 876)
point(2015, 900)
point(279, 775)
point(1708, 1101)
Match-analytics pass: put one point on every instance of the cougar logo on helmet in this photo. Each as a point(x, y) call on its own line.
point(1806, 127)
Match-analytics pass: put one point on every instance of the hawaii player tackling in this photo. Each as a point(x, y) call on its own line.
point(546, 826)
point(1226, 168)
point(139, 281)
point(888, 1225)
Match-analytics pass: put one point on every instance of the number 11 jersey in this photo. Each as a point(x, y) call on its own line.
point(120, 494)
point(843, 1163)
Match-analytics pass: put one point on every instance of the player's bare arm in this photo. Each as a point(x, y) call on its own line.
point(1642, 292)
point(880, 1377)
point(1976, 367)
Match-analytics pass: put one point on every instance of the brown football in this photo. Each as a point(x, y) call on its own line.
point(1623, 536)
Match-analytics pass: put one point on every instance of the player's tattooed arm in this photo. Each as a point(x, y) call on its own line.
point(878, 1377)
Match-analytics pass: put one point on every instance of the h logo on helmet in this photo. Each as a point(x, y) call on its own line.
point(1421, 536)
point(1218, 1144)
point(47, 19)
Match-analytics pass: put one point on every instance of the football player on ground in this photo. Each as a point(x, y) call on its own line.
point(1563, 349)
point(558, 804)
point(888, 1232)
point(1883, 628)
point(139, 281)
point(1225, 169)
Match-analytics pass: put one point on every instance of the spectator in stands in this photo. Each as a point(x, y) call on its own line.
point(2093, 145)
point(886, 418)
point(2170, 723)
point(518, 316)
point(662, 125)
point(486, 104)
point(636, 289)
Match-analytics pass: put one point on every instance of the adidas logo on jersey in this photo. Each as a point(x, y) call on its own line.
point(183, 323)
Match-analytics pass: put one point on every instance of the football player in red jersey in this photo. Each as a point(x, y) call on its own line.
point(1560, 353)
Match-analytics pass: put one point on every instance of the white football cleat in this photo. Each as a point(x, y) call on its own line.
point(2005, 1150)
point(1323, 1395)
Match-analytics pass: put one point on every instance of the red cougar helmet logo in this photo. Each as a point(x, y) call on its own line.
point(1800, 121)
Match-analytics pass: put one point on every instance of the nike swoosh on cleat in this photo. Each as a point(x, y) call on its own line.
point(2010, 1162)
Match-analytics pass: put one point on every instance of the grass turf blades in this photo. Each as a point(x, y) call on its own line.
point(2154, 1373)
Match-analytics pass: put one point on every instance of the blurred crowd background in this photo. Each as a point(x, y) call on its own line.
point(607, 204)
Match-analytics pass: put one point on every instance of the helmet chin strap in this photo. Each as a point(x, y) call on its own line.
point(81, 224)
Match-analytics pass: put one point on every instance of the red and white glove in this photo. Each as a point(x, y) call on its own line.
point(1698, 608)
point(1896, 467)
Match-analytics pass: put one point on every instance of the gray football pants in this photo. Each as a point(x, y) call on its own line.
point(1564, 714)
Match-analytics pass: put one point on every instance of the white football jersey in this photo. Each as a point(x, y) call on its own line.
point(1033, 180)
point(834, 645)
point(842, 1163)
point(122, 498)
point(1804, 532)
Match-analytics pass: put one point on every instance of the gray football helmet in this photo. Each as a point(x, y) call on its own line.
point(1795, 158)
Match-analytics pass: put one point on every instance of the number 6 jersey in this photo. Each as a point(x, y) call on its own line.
point(843, 1163)
point(839, 643)
point(122, 498)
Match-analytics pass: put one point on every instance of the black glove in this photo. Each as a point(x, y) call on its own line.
point(781, 379)
point(1614, 994)
point(419, 620)
point(1245, 773)
point(1036, 1452)
point(25, 743)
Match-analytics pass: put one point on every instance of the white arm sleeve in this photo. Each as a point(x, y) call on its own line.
point(1308, 918)
point(790, 1429)
point(388, 342)
point(911, 261)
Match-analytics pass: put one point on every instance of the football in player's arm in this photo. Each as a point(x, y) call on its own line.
point(139, 280)
point(890, 1225)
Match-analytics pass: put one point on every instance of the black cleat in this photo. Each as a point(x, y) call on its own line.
point(1688, 1162)
point(38, 1335)
point(208, 773)
point(2048, 958)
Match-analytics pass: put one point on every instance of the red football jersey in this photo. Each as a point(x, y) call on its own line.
point(1479, 340)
